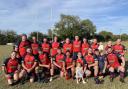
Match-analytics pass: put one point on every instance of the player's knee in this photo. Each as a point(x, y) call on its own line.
point(122, 69)
point(21, 74)
point(37, 69)
point(96, 68)
point(111, 69)
point(88, 73)
point(16, 76)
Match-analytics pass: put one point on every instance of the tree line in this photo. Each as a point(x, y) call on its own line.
point(67, 26)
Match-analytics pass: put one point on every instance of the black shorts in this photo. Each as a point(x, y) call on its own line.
point(75, 55)
point(36, 56)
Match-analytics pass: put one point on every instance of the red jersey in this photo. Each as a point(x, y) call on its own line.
point(76, 46)
point(119, 49)
point(46, 47)
point(59, 58)
point(113, 60)
point(94, 46)
point(85, 47)
point(43, 58)
point(22, 47)
point(55, 46)
point(35, 47)
point(68, 61)
point(81, 61)
point(106, 48)
point(90, 59)
point(67, 47)
point(11, 65)
point(29, 61)
point(18, 55)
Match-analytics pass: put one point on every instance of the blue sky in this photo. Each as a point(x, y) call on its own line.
point(25, 16)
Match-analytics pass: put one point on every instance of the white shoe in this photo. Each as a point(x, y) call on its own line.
point(84, 82)
point(51, 79)
point(77, 82)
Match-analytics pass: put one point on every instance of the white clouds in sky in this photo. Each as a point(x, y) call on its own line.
point(30, 15)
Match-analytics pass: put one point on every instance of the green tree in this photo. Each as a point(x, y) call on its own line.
point(124, 37)
point(88, 28)
point(11, 36)
point(39, 36)
point(3, 39)
point(69, 26)
point(107, 35)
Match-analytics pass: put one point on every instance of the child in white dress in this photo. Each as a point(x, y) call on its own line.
point(79, 73)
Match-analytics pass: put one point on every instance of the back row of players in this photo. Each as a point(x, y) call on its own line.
point(31, 60)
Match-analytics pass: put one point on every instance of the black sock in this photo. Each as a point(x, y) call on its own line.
point(121, 74)
point(112, 74)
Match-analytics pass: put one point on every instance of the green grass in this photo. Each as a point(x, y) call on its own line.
point(59, 83)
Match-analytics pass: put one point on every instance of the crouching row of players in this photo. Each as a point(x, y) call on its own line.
point(36, 67)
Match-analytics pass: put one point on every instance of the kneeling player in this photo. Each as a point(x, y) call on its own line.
point(69, 65)
point(29, 63)
point(58, 63)
point(92, 63)
point(11, 68)
point(113, 64)
point(44, 65)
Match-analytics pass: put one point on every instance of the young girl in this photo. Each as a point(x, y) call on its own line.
point(80, 68)
point(79, 73)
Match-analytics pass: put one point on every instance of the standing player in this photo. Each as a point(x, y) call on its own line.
point(85, 47)
point(76, 47)
point(11, 68)
point(55, 46)
point(119, 48)
point(109, 44)
point(67, 46)
point(23, 45)
point(46, 46)
point(94, 45)
point(35, 46)
point(16, 49)
point(29, 63)
point(113, 64)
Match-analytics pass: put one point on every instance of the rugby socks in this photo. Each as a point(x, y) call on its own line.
point(112, 74)
point(121, 74)
point(38, 77)
point(97, 80)
point(122, 77)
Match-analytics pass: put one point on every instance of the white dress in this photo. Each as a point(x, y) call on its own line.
point(79, 72)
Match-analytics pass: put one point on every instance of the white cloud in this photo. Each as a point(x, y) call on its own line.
point(35, 14)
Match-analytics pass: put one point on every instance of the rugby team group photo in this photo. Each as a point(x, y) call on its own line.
point(77, 59)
